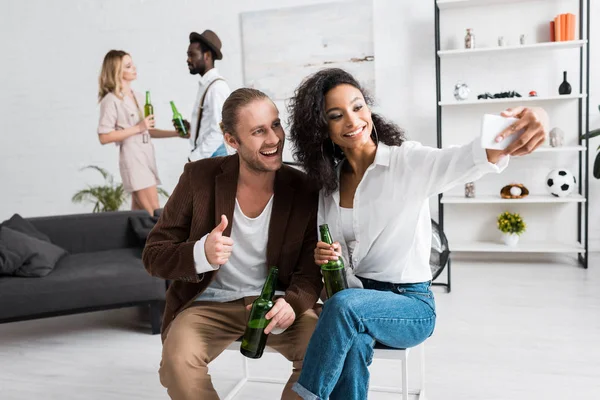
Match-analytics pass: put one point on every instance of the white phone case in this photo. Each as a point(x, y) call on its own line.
point(491, 126)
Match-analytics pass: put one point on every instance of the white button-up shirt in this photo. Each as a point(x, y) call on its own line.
point(210, 136)
point(391, 219)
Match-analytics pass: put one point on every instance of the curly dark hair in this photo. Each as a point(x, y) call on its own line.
point(309, 130)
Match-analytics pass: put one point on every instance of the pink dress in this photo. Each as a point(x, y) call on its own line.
point(137, 162)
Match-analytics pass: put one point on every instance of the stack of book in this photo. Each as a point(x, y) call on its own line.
point(562, 28)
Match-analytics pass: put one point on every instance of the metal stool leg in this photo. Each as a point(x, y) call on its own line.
point(238, 386)
point(405, 375)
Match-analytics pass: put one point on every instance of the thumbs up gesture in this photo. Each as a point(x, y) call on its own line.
point(218, 247)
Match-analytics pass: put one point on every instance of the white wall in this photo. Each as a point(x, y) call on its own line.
point(51, 56)
point(48, 75)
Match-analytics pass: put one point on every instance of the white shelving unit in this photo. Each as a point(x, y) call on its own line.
point(491, 199)
point(476, 61)
point(446, 4)
point(562, 149)
point(522, 247)
point(509, 100)
point(490, 51)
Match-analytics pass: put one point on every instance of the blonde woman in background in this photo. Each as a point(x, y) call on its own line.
point(122, 122)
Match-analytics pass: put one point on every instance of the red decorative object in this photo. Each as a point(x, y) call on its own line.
point(533, 93)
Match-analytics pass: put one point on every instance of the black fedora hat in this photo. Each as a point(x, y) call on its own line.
point(210, 39)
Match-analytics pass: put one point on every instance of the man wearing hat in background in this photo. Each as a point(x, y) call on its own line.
point(206, 138)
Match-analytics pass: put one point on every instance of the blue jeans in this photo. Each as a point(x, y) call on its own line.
point(341, 348)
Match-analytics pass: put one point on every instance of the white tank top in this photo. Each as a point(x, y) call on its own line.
point(348, 229)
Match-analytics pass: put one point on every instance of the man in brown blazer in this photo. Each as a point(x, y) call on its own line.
point(227, 221)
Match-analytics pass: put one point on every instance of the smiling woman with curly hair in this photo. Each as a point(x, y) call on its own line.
point(375, 189)
point(310, 130)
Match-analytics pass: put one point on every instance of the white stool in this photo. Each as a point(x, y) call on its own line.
point(388, 353)
point(246, 375)
point(381, 352)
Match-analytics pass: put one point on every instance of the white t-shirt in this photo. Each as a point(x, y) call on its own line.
point(245, 273)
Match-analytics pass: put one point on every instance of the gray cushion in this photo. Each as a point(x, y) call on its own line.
point(82, 280)
point(10, 259)
point(18, 223)
point(83, 233)
point(27, 256)
point(142, 225)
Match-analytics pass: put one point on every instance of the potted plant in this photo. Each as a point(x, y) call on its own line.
point(512, 226)
point(107, 197)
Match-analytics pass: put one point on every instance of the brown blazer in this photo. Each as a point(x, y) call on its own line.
point(206, 190)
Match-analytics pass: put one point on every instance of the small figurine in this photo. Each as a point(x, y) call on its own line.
point(557, 137)
point(522, 39)
point(533, 93)
point(500, 41)
point(470, 39)
point(470, 190)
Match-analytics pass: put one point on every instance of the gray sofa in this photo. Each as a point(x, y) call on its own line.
point(102, 270)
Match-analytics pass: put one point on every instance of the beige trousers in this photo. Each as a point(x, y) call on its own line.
point(202, 331)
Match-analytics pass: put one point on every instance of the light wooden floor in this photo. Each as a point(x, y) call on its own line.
point(508, 330)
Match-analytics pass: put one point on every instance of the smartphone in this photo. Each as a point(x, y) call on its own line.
point(491, 126)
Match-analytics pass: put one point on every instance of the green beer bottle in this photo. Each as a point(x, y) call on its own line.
point(148, 109)
point(178, 120)
point(333, 272)
point(254, 340)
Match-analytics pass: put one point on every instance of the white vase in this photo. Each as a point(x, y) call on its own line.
point(510, 239)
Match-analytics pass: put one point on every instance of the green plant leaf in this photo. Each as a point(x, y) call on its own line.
point(82, 195)
point(590, 134)
point(105, 174)
point(107, 197)
point(511, 223)
point(596, 170)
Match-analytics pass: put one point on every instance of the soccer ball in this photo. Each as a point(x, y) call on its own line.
point(560, 182)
